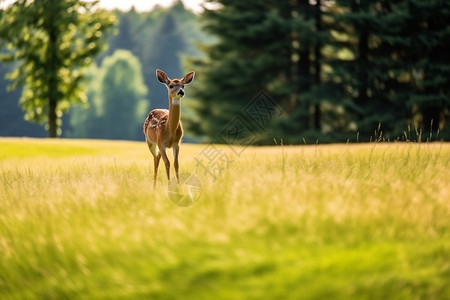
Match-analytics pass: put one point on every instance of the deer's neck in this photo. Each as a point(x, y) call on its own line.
point(174, 114)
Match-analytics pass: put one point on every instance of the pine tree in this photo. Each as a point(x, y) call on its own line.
point(126, 36)
point(262, 46)
point(394, 47)
point(353, 68)
point(424, 43)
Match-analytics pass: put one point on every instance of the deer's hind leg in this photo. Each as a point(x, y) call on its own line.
point(156, 159)
point(166, 161)
point(176, 151)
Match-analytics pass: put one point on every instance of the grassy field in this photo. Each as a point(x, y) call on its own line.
point(80, 220)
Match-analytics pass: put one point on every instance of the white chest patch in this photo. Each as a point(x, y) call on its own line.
point(176, 101)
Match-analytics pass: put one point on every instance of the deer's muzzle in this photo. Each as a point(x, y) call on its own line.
point(180, 93)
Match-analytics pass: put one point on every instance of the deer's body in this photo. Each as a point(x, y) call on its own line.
point(162, 128)
point(155, 129)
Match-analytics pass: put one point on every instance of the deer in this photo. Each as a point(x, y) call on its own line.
point(162, 128)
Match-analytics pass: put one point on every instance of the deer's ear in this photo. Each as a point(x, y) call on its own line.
point(162, 77)
point(188, 77)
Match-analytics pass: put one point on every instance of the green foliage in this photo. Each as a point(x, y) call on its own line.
point(251, 52)
point(123, 93)
point(394, 47)
point(158, 39)
point(271, 46)
point(306, 222)
point(117, 103)
point(11, 116)
point(52, 41)
point(336, 67)
point(424, 45)
point(84, 117)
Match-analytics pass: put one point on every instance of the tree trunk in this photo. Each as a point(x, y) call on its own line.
point(431, 116)
point(53, 94)
point(363, 50)
point(317, 57)
point(361, 63)
point(303, 76)
point(52, 118)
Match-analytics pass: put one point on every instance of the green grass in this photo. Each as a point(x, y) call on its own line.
point(80, 219)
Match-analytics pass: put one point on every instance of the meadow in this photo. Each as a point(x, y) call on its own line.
point(80, 219)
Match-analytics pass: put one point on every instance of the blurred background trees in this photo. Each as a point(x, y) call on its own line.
point(338, 69)
point(51, 41)
point(117, 100)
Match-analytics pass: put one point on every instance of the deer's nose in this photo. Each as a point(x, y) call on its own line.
point(180, 93)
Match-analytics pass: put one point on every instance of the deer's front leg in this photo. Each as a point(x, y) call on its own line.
point(176, 150)
point(166, 160)
point(155, 167)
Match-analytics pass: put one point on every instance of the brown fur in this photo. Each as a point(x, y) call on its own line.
point(163, 128)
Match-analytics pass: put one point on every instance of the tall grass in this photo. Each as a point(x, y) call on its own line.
point(80, 219)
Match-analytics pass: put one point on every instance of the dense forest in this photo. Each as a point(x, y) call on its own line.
point(298, 71)
point(341, 70)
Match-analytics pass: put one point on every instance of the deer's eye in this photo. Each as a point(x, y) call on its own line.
point(171, 86)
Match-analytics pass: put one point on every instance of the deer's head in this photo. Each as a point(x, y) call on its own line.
point(175, 87)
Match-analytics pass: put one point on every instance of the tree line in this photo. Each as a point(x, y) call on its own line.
point(345, 69)
point(340, 70)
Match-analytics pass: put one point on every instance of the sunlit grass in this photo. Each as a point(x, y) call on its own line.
point(80, 219)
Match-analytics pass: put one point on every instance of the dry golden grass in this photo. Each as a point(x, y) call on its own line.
point(80, 219)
